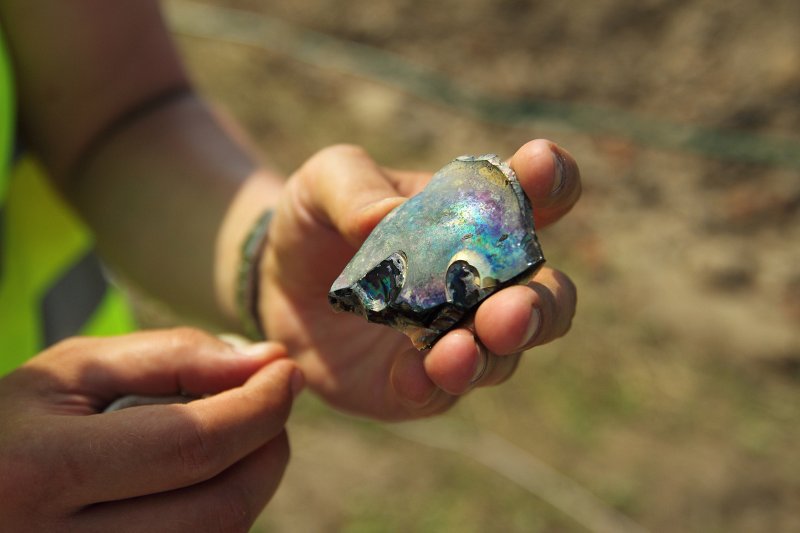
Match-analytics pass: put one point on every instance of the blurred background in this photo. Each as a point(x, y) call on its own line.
point(673, 404)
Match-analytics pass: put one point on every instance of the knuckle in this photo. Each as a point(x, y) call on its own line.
point(556, 291)
point(331, 154)
point(559, 299)
point(187, 336)
point(73, 346)
point(194, 451)
point(75, 353)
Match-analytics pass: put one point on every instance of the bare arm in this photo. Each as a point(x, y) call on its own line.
point(169, 192)
point(172, 194)
point(155, 182)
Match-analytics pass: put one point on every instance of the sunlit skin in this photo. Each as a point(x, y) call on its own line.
point(212, 463)
point(170, 198)
point(428, 263)
point(328, 208)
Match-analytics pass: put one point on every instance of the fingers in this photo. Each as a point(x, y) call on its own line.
point(182, 360)
point(493, 369)
point(230, 502)
point(550, 177)
point(548, 174)
point(523, 316)
point(428, 384)
point(458, 363)
point(144, 450)
point(414, 389)
point(507, 323)
point(454, 362)
point(347, 190)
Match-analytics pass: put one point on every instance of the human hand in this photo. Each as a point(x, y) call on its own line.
point(211, 463)
point(328, 207)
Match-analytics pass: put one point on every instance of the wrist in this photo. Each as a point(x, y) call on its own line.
point(240, 245)
point(248, 283)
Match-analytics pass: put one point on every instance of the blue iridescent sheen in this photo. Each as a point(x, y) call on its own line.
point(432, 260)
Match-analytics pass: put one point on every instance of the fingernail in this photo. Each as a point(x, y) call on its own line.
point(481, 363)
point(297, 382)
point(256, 349)
point(560, 166)
point(534, 323)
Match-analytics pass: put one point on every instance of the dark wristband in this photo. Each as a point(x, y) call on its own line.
point(249, 279)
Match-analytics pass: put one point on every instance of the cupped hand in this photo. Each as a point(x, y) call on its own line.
point(328, 208)
point(212, 463)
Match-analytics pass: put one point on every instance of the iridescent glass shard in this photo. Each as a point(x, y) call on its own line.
point(429, 263)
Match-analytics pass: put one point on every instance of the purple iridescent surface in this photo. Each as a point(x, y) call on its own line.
point(429, 263)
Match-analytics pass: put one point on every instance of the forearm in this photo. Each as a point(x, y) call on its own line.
point(171, 197)
point(155, 181)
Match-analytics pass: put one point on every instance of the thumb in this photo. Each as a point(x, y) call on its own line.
point(348, 190)
point(366, 218)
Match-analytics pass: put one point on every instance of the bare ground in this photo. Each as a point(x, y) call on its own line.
point(674, 399)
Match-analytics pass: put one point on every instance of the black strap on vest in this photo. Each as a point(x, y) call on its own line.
point(71, 301)
point(2, 236)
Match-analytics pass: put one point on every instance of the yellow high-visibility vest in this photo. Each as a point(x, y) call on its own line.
point(6, 115)
point(51, 284)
